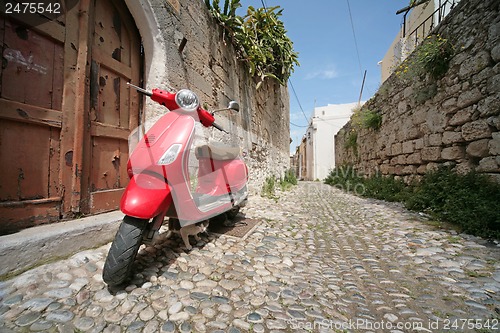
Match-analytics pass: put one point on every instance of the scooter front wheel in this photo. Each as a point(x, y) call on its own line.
point(123, 250)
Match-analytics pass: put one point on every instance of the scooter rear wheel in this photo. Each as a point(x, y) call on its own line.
point(123, 250)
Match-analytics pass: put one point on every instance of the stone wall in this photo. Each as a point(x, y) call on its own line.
point(207, 65)
point(453, 121)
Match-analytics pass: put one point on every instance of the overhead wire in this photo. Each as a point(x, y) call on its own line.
point(291, 85)
point(355, 39)
point(297, 98)
point(304, 126)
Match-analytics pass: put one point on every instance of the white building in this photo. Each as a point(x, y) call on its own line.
point(419, 21)
point(319, 144)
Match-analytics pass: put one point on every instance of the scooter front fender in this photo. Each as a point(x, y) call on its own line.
point(146, 196)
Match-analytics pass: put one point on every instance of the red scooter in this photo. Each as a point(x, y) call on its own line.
point(176, 172)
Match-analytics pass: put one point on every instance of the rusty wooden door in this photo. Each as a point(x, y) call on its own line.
point(114, 108)
point(31, 88)
point(65, 112)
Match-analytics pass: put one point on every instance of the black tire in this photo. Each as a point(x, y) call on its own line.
point(231, 214)
point(123, 251)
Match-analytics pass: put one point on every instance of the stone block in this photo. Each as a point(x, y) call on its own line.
point(494, 144)
point(494, 32)
point(475, 130)
point(494, 83)
point(490, 106)
point(398, 170)
point(431, 153)
point(387, 151)
point(449, 105)
point(495, 53)
point(412, 133)
point(384, 169)
point(402, 107)
point(401, 159)
point(415, 158)
point(469, 97)
point(408, 147)
point(494, 122)
point(464, 167)
point(432, 166)
point(418, 143)
point(452, 137)
point(409, 170)
point(461, 117)
point(488, 164)
point(396, 149)
point(422, 169)
point(452, 153)
point(408, 92)
point(435, 139)
point(475, 64)
point(478, 148)
point(436, 121)
point(419, 116)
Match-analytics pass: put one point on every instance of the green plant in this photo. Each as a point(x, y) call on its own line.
point(426, 92)
point(372, 119)
point(344, 176)
point(259, 38)
point(268, 188)
point(434, 55)
point(351, 141)
point(470, 202)
point(290, 177)
point(384, 187)
point(226, 17)
point(365, 118)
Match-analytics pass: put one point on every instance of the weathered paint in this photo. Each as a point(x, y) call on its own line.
point(56, 158)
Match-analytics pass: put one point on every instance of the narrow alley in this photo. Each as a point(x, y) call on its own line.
point(319, 260)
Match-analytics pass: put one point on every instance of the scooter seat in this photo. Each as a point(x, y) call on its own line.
point(220, 153)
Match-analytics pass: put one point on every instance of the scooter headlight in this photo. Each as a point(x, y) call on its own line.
point(187, 100)
point(170, 155)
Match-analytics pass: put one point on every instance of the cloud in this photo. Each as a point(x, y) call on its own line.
point(325, 74)
point(296, 116)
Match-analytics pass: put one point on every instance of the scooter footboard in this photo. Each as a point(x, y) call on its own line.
point(146, 196)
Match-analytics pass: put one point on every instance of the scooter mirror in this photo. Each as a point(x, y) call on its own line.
point(234, 106)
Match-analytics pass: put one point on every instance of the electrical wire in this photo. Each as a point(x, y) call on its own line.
point(298, 125)
point(291, 85)
point(355, 39)
point(297, 98)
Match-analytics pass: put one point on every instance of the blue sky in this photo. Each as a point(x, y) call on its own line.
point(329, 71)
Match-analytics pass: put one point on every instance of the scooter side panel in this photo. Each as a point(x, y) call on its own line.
point(145, 196)
point(215, 175)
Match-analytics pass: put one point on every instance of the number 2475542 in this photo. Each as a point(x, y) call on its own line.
point(33, 8)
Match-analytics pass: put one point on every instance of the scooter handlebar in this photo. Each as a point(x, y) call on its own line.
point(139, 89)
point(219, 127)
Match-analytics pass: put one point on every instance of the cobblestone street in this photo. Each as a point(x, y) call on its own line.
point(320, 260)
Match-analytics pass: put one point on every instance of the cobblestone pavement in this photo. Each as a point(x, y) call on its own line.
point(321, 260)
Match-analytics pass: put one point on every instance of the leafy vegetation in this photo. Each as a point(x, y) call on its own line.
point(288, 180)
point(366, 118)
point(343, 175)
point(259, 38)
point(285, 183)
point(470, 201)
point(269, 188)
point(351, 141)
point(432, 56)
